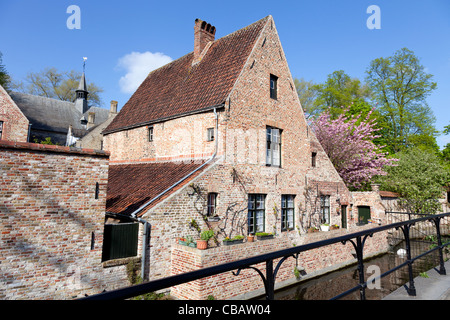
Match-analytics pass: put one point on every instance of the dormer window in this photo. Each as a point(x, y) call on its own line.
point(273, 86)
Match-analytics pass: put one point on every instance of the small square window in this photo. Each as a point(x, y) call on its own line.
point(210, 134)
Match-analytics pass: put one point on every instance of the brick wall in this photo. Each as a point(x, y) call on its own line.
point(172, 140)
point(248, 283)
point(15, 124)
point(49, 219)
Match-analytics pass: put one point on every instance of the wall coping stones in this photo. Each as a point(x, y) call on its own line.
point(4, 144)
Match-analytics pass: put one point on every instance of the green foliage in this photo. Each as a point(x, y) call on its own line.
point(47, 140)
point(5, 79)
point(400, 86)
point(419, 178)
point(55, 84)
point(207, 234)
point(340, 91)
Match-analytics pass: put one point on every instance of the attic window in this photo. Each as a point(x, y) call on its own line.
point(273, 86)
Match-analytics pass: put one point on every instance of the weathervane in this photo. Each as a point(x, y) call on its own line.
point(84, 63)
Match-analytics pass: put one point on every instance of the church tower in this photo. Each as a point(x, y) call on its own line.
point(81, 103)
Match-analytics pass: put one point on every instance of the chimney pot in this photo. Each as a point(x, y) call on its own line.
point(91, 120)
point(113, 108)
point(203, 34)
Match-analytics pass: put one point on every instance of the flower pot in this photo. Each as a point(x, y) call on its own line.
point(266, 237)
point(324, 228)
point(202, 244)
point(250, 238)
point(231, 242)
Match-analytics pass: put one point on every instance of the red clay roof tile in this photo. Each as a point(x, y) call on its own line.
point(132, 185)
point(180, 88)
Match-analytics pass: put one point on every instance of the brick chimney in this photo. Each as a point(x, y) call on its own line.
point(203, 34)
point(91, 120)
point(113, 107)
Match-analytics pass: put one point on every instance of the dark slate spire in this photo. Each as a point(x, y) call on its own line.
point(82, 93)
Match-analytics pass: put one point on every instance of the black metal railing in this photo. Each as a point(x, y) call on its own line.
point(358, 240)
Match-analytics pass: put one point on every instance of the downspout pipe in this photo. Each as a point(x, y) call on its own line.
point(145, 205)
point(145, 238)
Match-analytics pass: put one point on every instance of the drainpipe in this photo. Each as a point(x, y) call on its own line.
point(145, 238)
point(147, 225)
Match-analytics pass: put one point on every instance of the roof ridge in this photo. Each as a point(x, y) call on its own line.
point(192, 52)
point(180, 88)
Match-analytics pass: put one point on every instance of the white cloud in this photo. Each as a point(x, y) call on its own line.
point(137, 66)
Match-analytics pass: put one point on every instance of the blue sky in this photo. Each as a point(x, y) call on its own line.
point(123, 40)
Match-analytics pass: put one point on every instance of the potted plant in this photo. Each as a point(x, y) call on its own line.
point(334, 227)
point(264, 235)
point(313, 229)
point(236, 239)
point(251, 237)
point(202, 244)
point(324, 227)
point(187, 241)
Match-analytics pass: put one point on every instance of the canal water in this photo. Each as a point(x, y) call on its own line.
point(330, 285)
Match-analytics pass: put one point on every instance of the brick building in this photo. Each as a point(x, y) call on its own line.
point(64, 122)
point(13, 123)
point(217, 139)
point(52, 211)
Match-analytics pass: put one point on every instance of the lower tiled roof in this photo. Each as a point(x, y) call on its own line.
point(132, 185)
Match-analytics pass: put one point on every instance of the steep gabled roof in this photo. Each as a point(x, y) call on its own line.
point(52, 114)
point(182, 87)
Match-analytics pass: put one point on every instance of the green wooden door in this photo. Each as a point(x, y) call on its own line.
point(363, 214)
point(344, 216)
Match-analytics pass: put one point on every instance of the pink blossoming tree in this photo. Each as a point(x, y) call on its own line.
point(348, 142)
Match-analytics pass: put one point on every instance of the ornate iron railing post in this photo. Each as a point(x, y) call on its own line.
point(411, 289)
point(359, 246)
point(270, 278)
point(437, 222)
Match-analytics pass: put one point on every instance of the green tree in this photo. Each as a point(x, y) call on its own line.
point(5, 79)
point(419, 178)
point(61, 85)
point(400, 86)
point(307, 95)
point(340, 91)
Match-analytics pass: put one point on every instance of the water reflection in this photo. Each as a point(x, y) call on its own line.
point(332, 284)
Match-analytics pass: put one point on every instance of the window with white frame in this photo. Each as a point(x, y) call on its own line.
point(287, 212)
point(212, 200)
point(273, 150)
point(325, 209)
point(256, 213)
